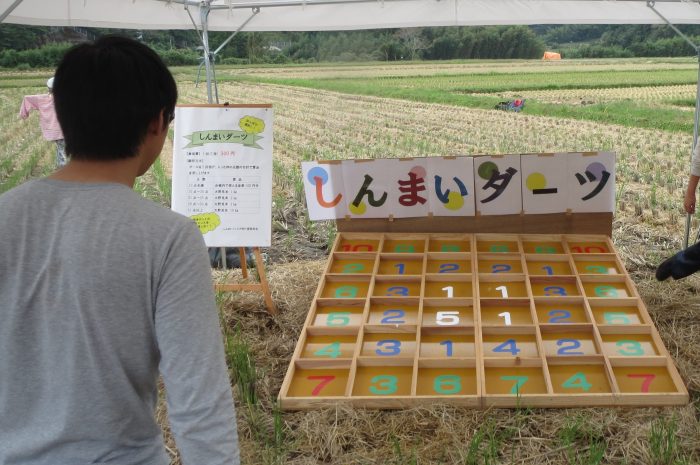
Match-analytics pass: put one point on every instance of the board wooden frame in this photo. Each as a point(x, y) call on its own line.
point(540, 332)
point(553, 223)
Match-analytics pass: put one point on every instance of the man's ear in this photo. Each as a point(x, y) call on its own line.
point(157, 124)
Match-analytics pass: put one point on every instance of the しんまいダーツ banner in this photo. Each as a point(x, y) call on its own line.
point(460, 186)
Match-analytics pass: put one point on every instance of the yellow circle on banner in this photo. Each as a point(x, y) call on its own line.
point(359, 210)
point(454, 201)
point(536, 181)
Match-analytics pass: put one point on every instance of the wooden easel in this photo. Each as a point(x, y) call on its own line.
point(262, 287)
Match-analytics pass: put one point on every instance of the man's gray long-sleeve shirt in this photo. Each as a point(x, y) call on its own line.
point(100, 290)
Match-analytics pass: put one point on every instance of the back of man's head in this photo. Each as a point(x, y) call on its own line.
point(107, 93)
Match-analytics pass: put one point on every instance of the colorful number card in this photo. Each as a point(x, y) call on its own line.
point(460, 186)
point(478, 320)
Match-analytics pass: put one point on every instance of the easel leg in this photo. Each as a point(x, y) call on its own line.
point(263, 281)
point(244, 263)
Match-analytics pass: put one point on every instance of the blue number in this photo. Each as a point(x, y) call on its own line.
point(508, 346)
point(554, 290)
point(548, 269)
point(389, 319)
point(397, 290)
point(565, 315)
point(448, 268)
point(500, 268)
point(401, 267)
point(448, 347)
point(391, 346)
point(565, 350)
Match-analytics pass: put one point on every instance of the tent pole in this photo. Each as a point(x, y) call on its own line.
point(695, 132)
point(9, 10)
point(204, 10)
point(204, 13)
point(245, 23)
point(651, 4)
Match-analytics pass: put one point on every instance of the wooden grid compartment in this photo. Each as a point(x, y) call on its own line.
point(478, 320)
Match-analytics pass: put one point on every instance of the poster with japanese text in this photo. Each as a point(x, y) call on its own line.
point(544, 188)
point(591, 177)
point(451, 186)
point(222, 172)
point(497, 183)
point(325, 191)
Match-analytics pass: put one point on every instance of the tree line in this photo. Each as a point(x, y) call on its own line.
point(36, 46)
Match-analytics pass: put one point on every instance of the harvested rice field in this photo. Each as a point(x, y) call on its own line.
point(335, 112)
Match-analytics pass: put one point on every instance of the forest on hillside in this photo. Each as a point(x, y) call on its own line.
point(35, 46)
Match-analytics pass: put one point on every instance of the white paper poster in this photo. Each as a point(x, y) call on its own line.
point(324, 188)
point(451, 185)
point(591, 177)
point(497, 184)
point(544, 188)
point(222, 172)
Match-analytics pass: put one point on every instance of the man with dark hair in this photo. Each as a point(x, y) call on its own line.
point(101, 289)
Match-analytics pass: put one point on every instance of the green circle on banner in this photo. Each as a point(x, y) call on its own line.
point(487, 169)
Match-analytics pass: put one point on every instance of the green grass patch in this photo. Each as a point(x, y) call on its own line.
point(683, 102)
point(24, 172)
point(663, 443)
point(583, 442)
point(472, 91)
point(163, 181)
point(510, 80)
point(484, 445)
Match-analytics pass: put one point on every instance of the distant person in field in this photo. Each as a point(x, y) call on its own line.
point(50, 129)
point(685, 262)
point(103, 290)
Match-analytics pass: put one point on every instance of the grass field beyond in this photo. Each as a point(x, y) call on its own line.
point(641, 109)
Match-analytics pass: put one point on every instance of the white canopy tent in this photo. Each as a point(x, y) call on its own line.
point(312, 15)
point(318, 15)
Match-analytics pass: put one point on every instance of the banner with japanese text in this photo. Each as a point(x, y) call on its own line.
point(222, 172)
point(460, 186)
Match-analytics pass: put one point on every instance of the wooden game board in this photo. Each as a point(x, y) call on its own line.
point(478, 320)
